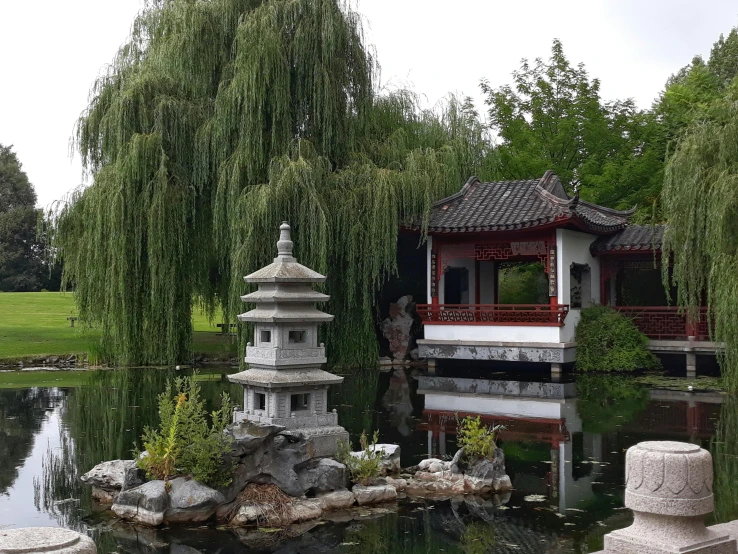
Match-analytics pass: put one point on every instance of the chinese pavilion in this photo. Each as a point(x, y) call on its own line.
point(590, 255)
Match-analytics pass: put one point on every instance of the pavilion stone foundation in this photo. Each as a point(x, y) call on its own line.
point(669, 489)
point(285, 384)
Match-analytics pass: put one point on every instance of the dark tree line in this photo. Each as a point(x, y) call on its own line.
point(22, 240)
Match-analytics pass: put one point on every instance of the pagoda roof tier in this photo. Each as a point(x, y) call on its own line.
point(634, 238)
point(267, 296)
point(278, 378)
point(282, 270)
point(282, 314)
point(518, 205)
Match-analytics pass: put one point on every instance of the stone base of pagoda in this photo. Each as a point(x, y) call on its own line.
point(538, 352)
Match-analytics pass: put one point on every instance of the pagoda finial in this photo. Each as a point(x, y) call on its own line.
point(285, 244)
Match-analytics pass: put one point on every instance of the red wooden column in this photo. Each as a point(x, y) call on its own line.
point(553, 273)
point(435, 262)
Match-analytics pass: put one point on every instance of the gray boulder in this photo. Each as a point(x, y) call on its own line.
point(144, 504)
point(191, 502)
point(133, 477)
point(248, 437)
point(271, 459)
point(487, 469)
point(108, 475)
point(374, 494)
point(321, 475)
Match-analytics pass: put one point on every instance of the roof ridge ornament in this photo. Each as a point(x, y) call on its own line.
point(285, 244)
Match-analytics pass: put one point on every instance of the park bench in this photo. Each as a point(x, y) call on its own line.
point(227, 328)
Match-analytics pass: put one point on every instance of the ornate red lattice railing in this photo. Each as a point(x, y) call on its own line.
point(666, 322)
point(493, 314)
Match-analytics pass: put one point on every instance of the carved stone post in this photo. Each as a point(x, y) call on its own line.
point(669, 489)
point(49, 540)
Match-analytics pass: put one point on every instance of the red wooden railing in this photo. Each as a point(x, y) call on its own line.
point(666, 322)
point(492, 314)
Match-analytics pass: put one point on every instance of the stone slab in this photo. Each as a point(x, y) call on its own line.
point(45, 539)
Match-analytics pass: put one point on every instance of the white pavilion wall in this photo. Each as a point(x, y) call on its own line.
point(573, 247)
point(493, 333)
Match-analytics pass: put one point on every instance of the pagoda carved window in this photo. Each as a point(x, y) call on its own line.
point(260, 401)
point(297, 337)
point(265, 336)
point(300, 402)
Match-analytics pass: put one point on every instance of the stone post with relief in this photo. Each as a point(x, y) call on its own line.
point(669, 489)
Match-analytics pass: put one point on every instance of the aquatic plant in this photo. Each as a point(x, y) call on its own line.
point(215, 122)
point(185, 443)
point(608, 341)
point(477, 439)
point(365, 466)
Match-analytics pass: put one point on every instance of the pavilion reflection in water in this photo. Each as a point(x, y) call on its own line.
point(546, 413)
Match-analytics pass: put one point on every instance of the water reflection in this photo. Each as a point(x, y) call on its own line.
point(564, 445)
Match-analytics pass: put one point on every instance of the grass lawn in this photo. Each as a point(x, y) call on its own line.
point(34, 324)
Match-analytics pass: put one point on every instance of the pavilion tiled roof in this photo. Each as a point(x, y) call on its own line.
point(513, 205)
point(634, 238)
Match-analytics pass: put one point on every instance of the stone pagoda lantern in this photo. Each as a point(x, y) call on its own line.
point(285, 384)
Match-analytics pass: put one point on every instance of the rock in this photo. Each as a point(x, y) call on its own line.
point(50, 540)
point(306, 510)
point(424, 465)
point(374, 494)
point(396, 328)
point(389, 462)
point(108, 475)
point(399, 484)
point(133, 477)
point(145, 504)
point(103, 496)
point(321, 475)
point(250, 513)
point(249, 436)
point(336, 500)
point(191, 502)
point(487, 469)
point(272, 459)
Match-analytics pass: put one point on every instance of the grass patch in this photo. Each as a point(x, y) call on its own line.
point(29, 379)
point(34, 325)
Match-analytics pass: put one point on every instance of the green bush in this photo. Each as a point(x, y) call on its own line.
point(185, 442)
point(608, 341)
point(477, 439)
point(362, 468)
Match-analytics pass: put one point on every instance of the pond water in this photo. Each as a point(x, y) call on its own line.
point(564, 444)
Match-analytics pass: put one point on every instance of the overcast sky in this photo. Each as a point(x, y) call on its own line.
point(51, 51)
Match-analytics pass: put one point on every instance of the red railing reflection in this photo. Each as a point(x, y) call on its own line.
point(666, 322)
point(493, 314)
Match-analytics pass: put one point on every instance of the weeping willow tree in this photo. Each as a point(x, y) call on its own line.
point(701, 194)
point(216, 121)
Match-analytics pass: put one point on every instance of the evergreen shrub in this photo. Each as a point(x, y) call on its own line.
point(186, 443)
point(609, 341)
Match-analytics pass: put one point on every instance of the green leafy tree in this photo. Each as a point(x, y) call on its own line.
point(552, 117)
point(215, 122)
point(22, 266)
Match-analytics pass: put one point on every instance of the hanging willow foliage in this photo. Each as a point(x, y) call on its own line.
point(218, 120)
point(700, 201)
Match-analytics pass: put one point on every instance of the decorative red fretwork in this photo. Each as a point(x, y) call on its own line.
point(499, 251)
point(493, 314)
point(666, 322)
